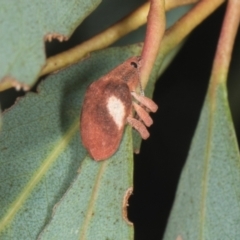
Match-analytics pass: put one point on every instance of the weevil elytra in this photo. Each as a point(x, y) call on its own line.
point(108, 106)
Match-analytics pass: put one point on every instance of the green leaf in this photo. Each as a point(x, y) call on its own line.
point(92, 207)
point(207, 200)
point(41, 152)
point(24, 24)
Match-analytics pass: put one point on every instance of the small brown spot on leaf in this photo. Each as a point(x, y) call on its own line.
point(179, 237)
point(128, 193)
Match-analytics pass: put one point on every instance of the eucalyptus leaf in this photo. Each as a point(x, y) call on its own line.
point(207, 199)
point(92, 208)
point(25, 24)
point(41, 152)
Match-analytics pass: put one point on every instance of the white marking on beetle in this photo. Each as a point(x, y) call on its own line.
point(116, 109)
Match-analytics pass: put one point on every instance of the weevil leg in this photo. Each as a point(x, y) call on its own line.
point(139, 126)
point(143, 115)
point(147, 102)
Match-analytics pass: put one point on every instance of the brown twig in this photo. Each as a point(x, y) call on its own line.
point(225, 44)
point(174, 35)
point(104, 39)
point(155, 29)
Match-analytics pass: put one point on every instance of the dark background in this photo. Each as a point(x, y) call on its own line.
point(179, 94)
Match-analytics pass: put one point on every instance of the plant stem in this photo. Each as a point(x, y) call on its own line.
point(175, 34)
point(104, 39)
point(130, 23)
point(172, 37)
point(225, 44)
point(155, 29)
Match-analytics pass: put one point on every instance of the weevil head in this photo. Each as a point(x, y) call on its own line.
point(129, 72)
point(134, 84)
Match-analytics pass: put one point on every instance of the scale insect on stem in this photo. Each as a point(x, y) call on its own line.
point(108, 105)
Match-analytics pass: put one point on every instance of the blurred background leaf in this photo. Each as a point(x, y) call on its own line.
point(207, 200)
point(25, 24)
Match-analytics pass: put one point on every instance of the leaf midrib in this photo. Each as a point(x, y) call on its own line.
point(212, 105)
point(60, 146)
point(92, 200)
